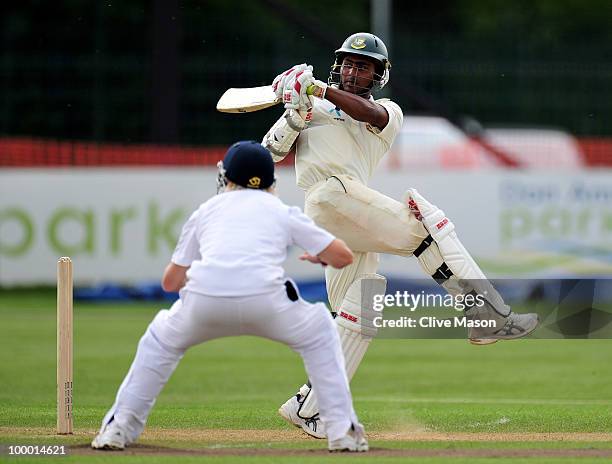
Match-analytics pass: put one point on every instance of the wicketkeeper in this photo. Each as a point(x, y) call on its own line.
point(339, 139)
point(227, 267)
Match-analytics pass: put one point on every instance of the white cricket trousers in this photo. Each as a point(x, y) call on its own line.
point(368, 221)
point(194, 318)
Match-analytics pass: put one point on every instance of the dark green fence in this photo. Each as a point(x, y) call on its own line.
point(88, 70)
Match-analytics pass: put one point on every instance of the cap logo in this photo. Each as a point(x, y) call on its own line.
point(358, 43)
point(254, 182)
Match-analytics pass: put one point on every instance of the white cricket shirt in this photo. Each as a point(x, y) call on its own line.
point(334, 143)
point(237, 241)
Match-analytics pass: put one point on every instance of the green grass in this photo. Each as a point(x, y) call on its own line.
point(308, 460)
point(404, 385)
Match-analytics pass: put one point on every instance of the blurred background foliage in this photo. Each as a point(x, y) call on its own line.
point(136, 71)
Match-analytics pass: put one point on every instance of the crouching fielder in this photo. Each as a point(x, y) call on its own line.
point(227, 266)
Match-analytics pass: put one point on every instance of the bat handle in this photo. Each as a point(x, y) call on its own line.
point(315, 90)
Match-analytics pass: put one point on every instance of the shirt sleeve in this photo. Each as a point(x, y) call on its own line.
point(188, 248)
point(306, 234)
point(396, 119)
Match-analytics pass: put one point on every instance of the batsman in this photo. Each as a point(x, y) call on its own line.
point(340, 137)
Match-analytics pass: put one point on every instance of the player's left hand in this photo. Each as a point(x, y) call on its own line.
point(295, 94)
point(312, 259)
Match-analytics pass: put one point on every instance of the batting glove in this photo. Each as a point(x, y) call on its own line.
point(295, 94)
point(320, 89)
point(280, 82)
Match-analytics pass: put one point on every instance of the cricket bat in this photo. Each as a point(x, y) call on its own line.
point(246, 100)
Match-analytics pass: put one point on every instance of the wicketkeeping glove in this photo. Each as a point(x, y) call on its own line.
point(280, 82)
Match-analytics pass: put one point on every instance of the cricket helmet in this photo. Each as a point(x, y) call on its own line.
point(363, 44)
point(248, 164)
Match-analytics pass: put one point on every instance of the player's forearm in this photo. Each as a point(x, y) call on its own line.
point(337, 254)
point(174, 278)
point(358, 107)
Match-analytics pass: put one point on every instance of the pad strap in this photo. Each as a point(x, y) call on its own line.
point(423, 246)
point(442, 274)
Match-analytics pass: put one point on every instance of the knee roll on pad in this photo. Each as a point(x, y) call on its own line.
point(442, 232)
point(356, 313)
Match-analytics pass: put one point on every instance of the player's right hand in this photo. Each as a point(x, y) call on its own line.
point(295, 94)
point(280, 81)
point(312, 259)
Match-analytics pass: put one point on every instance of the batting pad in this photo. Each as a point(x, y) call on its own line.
point(445, 249)
point(356, 329)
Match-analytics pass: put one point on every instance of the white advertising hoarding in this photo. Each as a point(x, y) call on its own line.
point(120, 225)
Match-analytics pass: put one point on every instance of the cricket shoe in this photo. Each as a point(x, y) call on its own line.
point(353, 441)
point(112, 437)
point(515, 326)
point(290, 411)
